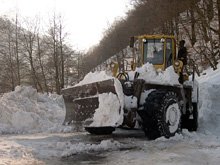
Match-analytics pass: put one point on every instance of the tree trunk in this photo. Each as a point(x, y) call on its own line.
point(41, 65)
point(218, 6)
point(55, 58)
point(34, 75)
point(193, 21)
point(210, 10)
point(16, 49)
point(11, 63)
point(29, 43)
point(62, 58)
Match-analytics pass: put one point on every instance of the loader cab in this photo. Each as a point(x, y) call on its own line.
point(158, 50)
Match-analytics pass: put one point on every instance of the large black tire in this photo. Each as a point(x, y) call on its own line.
point(161, 115)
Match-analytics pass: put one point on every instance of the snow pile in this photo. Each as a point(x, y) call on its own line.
point(148, 73)
point(209, 111)
point(70, 149)
point(177, 137)
point(131, 102)
point(121, 97)
point(108, 113)
point(26, 111)
point(94, 77)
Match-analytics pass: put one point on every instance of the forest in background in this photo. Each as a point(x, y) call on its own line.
point(34, 56)
point(195, 21)
point(44, 59)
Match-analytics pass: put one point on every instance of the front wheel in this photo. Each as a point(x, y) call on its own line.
point(162, 114)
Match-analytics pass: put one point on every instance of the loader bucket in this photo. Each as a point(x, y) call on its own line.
point(81, 101)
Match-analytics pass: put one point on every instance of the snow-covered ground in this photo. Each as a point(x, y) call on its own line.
point(32, 133)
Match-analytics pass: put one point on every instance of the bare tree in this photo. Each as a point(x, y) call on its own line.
point(55, 54)
point(30, 40)
point(218, 8)
point(7, 55)
point(16, 49)
point(39, 52)
point(11, 59)
point(58, 47)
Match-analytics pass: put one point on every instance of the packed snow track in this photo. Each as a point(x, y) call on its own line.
point(122, 147)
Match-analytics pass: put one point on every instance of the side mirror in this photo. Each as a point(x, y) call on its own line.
point(114, 68)
point(131, 42)
point(178, 65)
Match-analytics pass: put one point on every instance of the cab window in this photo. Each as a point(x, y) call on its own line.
point(153, 51)
point(168, 60)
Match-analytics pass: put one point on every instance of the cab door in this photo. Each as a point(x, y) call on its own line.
point(168, 52)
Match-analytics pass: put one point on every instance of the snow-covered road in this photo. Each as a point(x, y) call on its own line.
point(122, 147)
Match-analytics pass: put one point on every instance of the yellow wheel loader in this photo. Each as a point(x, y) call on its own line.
point(165, 110)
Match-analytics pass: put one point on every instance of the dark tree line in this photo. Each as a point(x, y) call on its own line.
point(193, 20)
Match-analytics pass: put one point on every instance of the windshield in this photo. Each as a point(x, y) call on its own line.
point(154, 51)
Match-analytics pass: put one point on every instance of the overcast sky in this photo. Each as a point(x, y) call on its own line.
point(79, 15)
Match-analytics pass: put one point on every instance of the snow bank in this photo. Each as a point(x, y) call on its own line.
point(209, 112)
point(70, 149)
point(26, 111)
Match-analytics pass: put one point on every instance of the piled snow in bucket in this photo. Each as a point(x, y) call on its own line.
point(152, 76)
point(110, 111)
point(26, 111)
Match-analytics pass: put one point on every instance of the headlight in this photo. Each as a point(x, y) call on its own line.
point(177, 63)
point(144, 40)
point(112, 65)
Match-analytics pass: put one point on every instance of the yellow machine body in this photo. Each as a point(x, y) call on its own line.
point(160, 50)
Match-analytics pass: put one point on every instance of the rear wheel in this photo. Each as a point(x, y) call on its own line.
point(162, 114)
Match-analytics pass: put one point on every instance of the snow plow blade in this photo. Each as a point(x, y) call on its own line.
point(81, 101)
